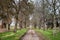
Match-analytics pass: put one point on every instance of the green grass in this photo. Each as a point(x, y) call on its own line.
point(12, 35)
point(49, 34)
point(57, 37)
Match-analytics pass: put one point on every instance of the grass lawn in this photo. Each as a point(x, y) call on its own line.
point(57, 37)
point(48, 34)
point(12, 35)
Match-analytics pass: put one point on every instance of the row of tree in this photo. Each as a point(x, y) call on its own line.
point(42, 12)
point(46, 12)
point(17, 9)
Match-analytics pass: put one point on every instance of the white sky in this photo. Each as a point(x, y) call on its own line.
point(33, 0)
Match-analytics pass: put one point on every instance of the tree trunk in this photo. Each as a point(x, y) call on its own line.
point(43, 16)
point(54, 32)
point(25, 23)
point(54, 29)
point(3, 24)
point(20, 24)
point(15, 29)
point(9, 27)
point(34, 25)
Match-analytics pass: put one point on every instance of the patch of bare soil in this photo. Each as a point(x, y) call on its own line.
point(3, 30)
point(31, 35)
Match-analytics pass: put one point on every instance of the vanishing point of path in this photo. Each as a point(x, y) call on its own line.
point(31, 35)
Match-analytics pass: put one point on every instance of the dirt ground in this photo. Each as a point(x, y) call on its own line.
point(31, 35)
point(3, 30)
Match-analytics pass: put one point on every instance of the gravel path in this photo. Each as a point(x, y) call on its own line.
point(31, 35)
